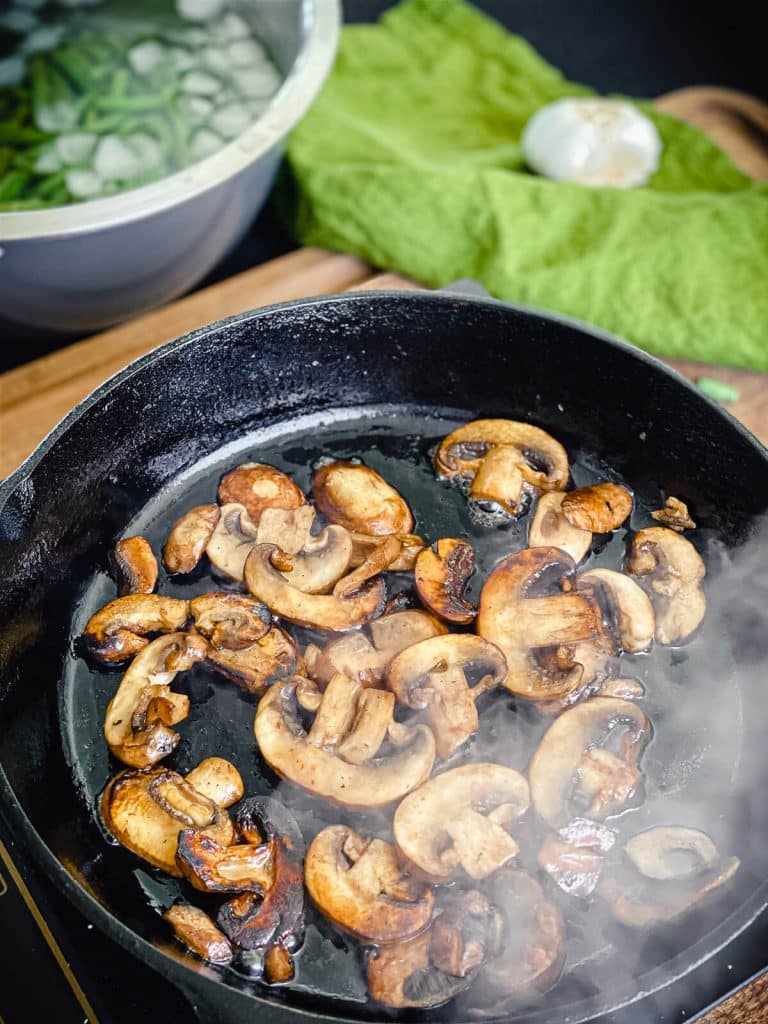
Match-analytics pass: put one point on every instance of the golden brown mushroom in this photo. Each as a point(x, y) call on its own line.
point(189, 538)
point(211, 867)
point(197, 932)
point(272, 657)
point(675, 515)
point(358, 498)
point(674, 570)
point(550, 528)
point(258, 486)
point(628, 605)
point(136, 566)
point(232, 540)
point(441, 574)
point(363, 545)
point(599, 508)
point(358, 884)
point(229, 621)
point(121, 628)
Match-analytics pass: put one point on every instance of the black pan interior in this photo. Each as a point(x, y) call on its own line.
point(265, 385)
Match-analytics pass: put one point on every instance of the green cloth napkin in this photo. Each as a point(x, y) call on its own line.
point(410, 159)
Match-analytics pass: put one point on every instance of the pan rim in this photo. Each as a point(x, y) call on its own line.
point(654, 980)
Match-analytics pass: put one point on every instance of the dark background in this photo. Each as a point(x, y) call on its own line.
point(639, 47)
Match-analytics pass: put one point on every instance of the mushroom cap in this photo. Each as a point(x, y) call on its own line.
point(461, 452)
point(285, 746)
point(316, 563)
point(139, 716)
point(358, 884)
point(432, 675)
point(360, 499)
point(120, 629)
point(270, 658)
point(257, 486)
point(456, 820)
point(550, 528)
point(231, 621)
point(599, 508)
point(675, 570)
point(519, 623)
point(402, 975)
point(136, 566)
point(630, 606)
point(672, 852)
point(320, 611)
point(232, 540)
point(189, 538)
point(559, 756)
point(441, 574)
point(146, 810)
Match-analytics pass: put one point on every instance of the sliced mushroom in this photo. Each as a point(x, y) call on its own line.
point(321, 611)
point(258, 486)
point(410, 546)
point(528, 455)
point(629, 606)
point(189, 538)
point(197, 932)
point(272, 657)
point(318, 562)
point(459, 820)
point(139, 717)
point(289, 529)
point(146, 810)
point(550, 528)
point(274, 919)
point(675, 515)
point(358, 498)
point(229, 621)
point(675, 570)
point(358, 884)
point(354, 655)
point(121, 628)
point(599, 508)
point(668, 871)
point(465, 933)
point(531, 947)
point(403, 975)
point(522, 625)
point(568, 752)
point(441, 574)
point(232, 540)
point(626, 689)
point(136, 566)
point(211, 867)
point(217, 779)
point(379, 560)
point(574, 857)
point(432, 675)
point(286, 747)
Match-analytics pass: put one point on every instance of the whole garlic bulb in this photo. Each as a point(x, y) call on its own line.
point(592, 142)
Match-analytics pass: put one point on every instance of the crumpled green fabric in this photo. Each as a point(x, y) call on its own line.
point(410, 159)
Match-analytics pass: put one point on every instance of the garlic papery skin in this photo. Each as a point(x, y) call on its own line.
point(592, 142)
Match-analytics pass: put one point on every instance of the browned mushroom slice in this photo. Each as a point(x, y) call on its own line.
point(599, 508)
point(465, 934)
point(136, 566)
point(358, 498)
point(197, 932)
point(675, 570)
point(459, 820)
point(146, 810)
point(320, 611)
point(255, 668)
point(354, 655)
point(550, 528)
point(432, 675)
point(669, 870)
point(121, 628)
point(257, 486)
point(574, 857)
point(626, 689)
point(289, 529)
point(532, 942)
point(286, 747)
point(499, 478)
point(675, 515)
point(139, 717)
point(521, 624)
point(312, 564)
point(358, 884)
point(363, 545)
point(229, 621)
point(441, 574)
point(274, 919)
point(628, 604)
point(189, 538)
point(379, 560)
point(527, 452)
point(402, 975)
point(210, 867)
point(217, 779)
point(569, 751)
point(232, 540)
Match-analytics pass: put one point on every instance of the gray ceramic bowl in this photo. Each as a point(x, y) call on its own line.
point(88, 265)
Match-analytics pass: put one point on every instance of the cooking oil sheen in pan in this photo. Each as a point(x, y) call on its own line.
point(684, 761)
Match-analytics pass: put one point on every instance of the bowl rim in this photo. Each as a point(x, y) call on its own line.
point(321, 21)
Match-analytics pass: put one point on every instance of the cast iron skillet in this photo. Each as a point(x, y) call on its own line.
point(61, 512)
